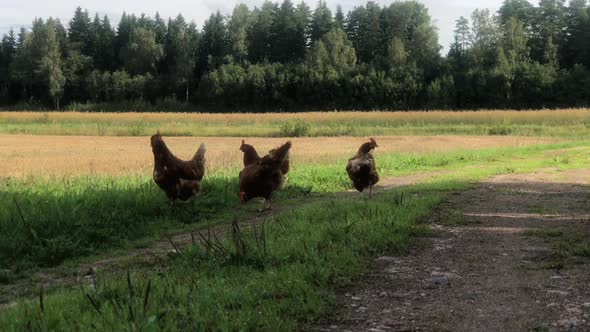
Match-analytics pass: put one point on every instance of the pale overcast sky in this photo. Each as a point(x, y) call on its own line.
point(17, 13)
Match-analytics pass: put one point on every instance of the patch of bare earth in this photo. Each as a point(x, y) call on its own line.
point(483, 270)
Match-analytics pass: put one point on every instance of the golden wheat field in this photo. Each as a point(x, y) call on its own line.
point(253, 118)
point(26, 155)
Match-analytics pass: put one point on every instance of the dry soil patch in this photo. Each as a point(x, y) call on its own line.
point(483, 271)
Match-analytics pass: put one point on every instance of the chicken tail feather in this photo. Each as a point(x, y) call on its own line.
point(282, 152)
point(199, 156)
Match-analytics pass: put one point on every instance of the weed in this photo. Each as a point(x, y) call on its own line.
point(508, 169)
point(561, 159)
point(538, 209)
point(502, 131)
point(294, 128)
point(101, 129)
point(454, 217)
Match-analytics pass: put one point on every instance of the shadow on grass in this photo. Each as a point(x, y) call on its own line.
point(44, 223)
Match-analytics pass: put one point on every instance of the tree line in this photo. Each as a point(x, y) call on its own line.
point(288, 56)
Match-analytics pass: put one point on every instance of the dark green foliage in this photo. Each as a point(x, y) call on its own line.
point(142, 52)
point(104, 58)
point(80, 34)
point(522, 10)
point(269, 58)
point(370, 33)
point(181, 42)
point(321, 21)
point(288, 38)
point(237, 32)
point(7, 54)
point(339, 19)
point(259, 32)
point(213, 43)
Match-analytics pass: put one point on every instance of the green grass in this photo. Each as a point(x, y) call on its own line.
point(286, 129)
point(561, 123)
point(46, 222)
point(277, 276)
point(565, 243)
point(273, 283)
point(277, 286)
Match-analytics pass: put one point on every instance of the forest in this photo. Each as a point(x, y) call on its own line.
point(287, 56)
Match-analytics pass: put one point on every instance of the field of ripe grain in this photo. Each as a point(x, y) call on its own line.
point(26, 155)
point(556, 123)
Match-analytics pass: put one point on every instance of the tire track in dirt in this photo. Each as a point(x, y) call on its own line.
point(483, 270)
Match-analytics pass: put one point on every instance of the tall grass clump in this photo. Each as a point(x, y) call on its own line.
point(294, 128)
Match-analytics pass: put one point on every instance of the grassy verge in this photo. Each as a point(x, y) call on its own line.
point(558, 123)
point(46, 222)
point(269, 279)
point(275, 276)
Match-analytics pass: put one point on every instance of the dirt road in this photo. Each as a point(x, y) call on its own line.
point(502, 258)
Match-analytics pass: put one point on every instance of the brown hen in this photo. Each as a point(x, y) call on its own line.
point(179, 179)
point(263, 177)
point(361, 168)
point(251, 156)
